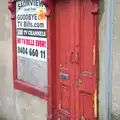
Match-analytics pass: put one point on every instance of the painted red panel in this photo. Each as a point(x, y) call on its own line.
point(65, 98)
point(63, 117)
point(86, 69)
point(85, 105)
point(64, 21)
point(76, 47)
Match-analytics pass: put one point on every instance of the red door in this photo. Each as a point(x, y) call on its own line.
point(85, 67)
point(64, 16)
point(75, 37)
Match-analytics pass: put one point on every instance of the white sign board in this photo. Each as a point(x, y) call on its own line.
point(31, 29)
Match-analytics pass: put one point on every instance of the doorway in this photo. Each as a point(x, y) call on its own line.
point(75, 66)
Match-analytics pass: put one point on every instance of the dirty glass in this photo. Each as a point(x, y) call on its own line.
point(31, 39)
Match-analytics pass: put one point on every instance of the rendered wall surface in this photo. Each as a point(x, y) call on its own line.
point(14, 105)
point(102, 60)
point(116, 63)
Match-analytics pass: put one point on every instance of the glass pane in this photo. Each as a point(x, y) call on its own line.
point(31, 39)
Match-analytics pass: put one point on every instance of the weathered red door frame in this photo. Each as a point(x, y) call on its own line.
point(51, 58)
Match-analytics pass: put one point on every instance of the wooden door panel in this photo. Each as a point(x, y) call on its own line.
point(85, 105)
point(75, 43)
point(86, 85)
point(64, 35)
point(65, 98)
point(84, 38)
point(64, 51)
point(64, 118)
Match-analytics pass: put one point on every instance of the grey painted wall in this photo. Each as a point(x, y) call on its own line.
point(103, 107)
point(116, 63)
point(14, 105)
point(102, 61)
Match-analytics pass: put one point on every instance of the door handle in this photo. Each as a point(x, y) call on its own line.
point(71, 57)
point(77, 58)
point(78, 82)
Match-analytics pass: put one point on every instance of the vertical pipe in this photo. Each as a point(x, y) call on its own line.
point(109, 31)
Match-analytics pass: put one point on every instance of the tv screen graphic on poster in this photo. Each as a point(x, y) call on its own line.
point(31, 29)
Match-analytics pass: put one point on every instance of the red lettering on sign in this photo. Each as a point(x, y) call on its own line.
point(23, 41)
point(40, 43)
point(29, 42)
point(19, 40)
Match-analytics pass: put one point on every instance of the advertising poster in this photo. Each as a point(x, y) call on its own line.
point(31, 39)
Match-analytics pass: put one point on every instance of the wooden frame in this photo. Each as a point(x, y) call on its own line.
point(22, 85)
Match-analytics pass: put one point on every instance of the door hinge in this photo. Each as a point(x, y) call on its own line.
point(77, 58)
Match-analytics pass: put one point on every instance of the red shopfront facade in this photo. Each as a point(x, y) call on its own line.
point(72, 58)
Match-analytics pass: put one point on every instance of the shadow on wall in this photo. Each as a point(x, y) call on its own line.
point(115, 117)
point(101, 10)
point(2, 118)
